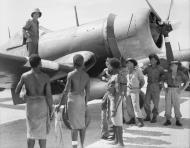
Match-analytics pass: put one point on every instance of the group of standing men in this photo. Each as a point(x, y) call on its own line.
point(124, 86)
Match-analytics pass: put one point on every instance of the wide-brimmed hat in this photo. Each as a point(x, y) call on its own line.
point(155, 57)
point(36, 10)
point(132, 61)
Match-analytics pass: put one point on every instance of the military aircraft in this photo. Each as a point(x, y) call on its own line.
point(136, 36)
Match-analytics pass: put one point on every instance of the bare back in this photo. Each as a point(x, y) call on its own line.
point(35, 83)
point(79, 81)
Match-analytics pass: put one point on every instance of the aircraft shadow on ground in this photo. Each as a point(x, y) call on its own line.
point(141, 146)
point(145, 133)
point(145, 141)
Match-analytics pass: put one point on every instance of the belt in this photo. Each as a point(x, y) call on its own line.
point(123, 83)
point(173, 86)
point(133, 87)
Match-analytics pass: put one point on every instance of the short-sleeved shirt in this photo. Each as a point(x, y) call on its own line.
point(32, 27)
point(175, 81)
point(154, 74)
point(134, 79)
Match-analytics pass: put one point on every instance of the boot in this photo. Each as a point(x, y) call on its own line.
point(147, 118)
point(131, 121)
point(168, 122)
point(178, 123)
point(140, 123)
point(154, 119)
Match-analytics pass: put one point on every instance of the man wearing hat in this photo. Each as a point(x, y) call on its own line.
point(174, 79)
point(31, 32)
point(154, 72)
point(135, 81)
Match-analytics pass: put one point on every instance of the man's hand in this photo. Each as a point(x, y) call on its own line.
point(57, 108)
point(27, 35)
point(113, 113)
point(104, 79)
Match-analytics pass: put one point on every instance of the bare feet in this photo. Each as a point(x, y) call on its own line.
point(120, 144)
point(114, 143)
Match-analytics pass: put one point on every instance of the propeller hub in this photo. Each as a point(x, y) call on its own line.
point(166, 28)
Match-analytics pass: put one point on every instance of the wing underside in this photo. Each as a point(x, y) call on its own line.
point(12, 67)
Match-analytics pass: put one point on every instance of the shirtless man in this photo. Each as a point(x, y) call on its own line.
point(38, 102)
point(77, 89)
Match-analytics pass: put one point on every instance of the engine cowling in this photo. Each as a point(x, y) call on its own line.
point(143, 37)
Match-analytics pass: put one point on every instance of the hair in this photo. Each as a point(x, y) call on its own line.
point(108, 59)
point(78, 60)
point(34, 60)
point(114, 63)
point(155, 57)
point(123, 62)
point(132, 61)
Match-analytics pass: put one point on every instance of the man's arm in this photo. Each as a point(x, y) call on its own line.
point(141, 78)
point(19, 86)
point(145, 71)
point(25, 28)
point(102, 75)
point(66, 90)
point(185, 81)
point(49, 96)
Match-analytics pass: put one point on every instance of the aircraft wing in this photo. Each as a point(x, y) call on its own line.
point(12, 67)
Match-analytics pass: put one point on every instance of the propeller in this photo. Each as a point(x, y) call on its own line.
point(165, 27)
point(171, 4)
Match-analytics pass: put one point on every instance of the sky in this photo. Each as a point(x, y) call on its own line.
point(59, 14)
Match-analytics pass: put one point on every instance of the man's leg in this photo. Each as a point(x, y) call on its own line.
point(176, 104)
point(74, 137)
point(168, 106)
point(115, 129)
point(30, 143)
point(137, 110)
point(156, 100)
point(130, 110)
point(29, 48)
point(124, 107)
point(82, 137)
point(147, 104)
point(104, 124)
point(32, 48)
point(120, 136)
point(42, 143)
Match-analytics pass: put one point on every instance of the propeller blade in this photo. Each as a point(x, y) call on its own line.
point(153, 10)
point(171, 4)
point(169, 52)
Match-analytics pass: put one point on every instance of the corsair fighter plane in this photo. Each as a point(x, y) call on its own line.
point(136, 36)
